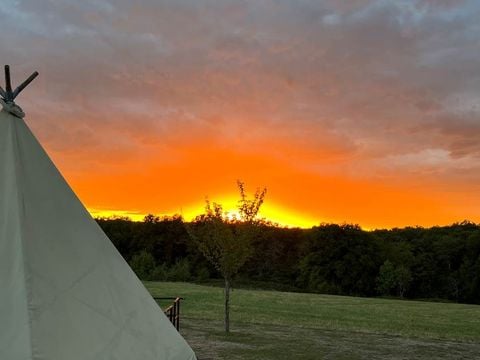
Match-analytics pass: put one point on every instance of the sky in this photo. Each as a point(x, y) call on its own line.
point(362, 112)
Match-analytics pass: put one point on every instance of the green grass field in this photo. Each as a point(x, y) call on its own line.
point(282, 325)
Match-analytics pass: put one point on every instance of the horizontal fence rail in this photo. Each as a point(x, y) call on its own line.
point(173, 311)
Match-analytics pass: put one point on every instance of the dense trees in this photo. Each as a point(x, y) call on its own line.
point(439, 262)
point(339, 259)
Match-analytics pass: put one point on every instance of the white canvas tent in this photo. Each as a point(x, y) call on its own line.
point(65, 291)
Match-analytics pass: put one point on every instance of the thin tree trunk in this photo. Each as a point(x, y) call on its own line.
point(227, 305)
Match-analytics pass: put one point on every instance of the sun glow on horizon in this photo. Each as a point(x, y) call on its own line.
point(270, 211)
point(112, 213)
point(276, 214)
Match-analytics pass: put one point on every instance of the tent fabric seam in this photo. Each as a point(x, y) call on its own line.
point(21, 211)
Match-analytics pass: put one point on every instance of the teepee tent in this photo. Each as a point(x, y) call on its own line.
point(65, 291)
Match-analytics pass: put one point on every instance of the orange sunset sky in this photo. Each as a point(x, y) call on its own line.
point(347, 111)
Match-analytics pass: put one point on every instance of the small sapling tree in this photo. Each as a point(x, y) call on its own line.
point(226, 241)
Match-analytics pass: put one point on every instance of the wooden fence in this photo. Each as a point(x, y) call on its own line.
point(173, 311)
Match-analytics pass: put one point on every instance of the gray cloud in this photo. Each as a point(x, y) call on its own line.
point(365, 80)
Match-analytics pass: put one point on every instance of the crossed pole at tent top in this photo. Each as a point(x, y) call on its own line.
point(8, 95)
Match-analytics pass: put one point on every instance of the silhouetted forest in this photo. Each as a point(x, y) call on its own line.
point(413, 262)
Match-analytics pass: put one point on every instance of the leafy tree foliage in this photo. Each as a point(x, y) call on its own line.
point(143, 264)
point(393, 280)
point(403, 278)
point(387, 278)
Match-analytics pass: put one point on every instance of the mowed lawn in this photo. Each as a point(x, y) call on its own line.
point(282, 325)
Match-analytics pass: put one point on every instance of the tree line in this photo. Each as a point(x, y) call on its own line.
point(412, 262)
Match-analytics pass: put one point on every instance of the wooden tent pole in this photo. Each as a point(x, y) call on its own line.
point(8, 84)
point(8, 95)
point(19, 89)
